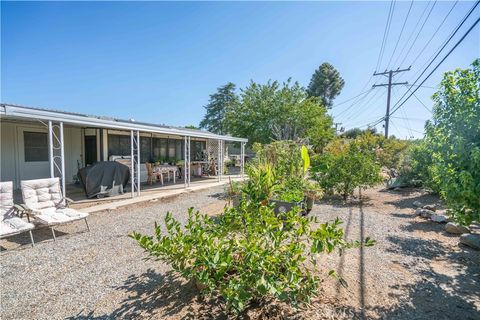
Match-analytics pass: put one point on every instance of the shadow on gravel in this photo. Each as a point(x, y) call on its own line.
point(150, 292)
point(339, 202)
point(39, 235)
point(404, 203)
point(446, 289)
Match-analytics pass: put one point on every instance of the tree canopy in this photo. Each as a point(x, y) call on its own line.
point(454, 138)
point(326, 84)
point(275, 111)
point(220, 101)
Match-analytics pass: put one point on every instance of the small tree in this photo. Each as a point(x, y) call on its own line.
point(326, 84)
point(346, 165)
point(219, 103)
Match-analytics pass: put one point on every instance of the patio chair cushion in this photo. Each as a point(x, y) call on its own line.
point(6, 199)
point(42, 193)
point(14, 225)
point(53, 216)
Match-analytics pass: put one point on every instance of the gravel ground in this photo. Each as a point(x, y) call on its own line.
point(415, 271)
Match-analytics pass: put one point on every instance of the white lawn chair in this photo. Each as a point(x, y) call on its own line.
point(10, 223)
point(43, 200)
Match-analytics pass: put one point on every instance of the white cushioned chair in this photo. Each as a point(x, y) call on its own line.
point(43, 200)
point(10, 223)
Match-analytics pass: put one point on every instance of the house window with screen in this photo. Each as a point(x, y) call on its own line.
point(36, 146)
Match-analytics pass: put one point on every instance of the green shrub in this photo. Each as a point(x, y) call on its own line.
point(416, 165)
point(454, 138)
point(249, 253)
point(346, 165)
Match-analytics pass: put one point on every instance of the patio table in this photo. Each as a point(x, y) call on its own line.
point(166, 168)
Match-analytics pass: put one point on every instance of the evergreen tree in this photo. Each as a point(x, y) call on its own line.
point(219, 103)
point(326, 84)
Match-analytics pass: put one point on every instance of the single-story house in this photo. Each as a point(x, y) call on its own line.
point(41, 143)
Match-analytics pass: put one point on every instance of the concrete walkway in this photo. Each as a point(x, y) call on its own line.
point(149, 195)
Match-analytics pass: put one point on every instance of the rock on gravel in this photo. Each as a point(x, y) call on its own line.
point(471, 240)
point(424, 213)
point(417, 204)
point(439, 218)
point(431, 207)
point(455, 228)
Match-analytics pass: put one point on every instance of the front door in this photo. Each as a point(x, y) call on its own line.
point(90, 150)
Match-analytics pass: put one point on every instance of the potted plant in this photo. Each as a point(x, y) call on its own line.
point(234, 192)
point(312, 192)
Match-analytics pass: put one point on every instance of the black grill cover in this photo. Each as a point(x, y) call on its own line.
point(107, 178)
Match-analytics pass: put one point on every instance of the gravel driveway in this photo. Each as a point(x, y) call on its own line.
point(415, 271)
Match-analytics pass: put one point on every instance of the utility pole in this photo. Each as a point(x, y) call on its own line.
point(389, 84)
point(336, 126)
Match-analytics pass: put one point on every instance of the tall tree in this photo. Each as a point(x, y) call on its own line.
point(275, 111)
point(219, 103)
point(454, 138)
point(326, 84)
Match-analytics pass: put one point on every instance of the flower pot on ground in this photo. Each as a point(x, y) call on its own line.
point(280, 207)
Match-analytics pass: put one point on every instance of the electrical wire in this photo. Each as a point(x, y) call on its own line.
point(397, 105)
point(418, 33)
point(423, 104)
point(401, 33)
point(412, 33)
point(348, 100)
point(385, 33)
point(433, 35)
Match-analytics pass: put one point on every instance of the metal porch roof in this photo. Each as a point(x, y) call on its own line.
point(24, 112)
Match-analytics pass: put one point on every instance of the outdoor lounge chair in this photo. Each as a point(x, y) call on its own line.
point(44, 202)
point(10, 223)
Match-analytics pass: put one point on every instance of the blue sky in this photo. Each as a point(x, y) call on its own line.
point(159, 61)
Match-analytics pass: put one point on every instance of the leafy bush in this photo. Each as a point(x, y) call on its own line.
point(289, 163)
point(346, 165)
point(249, 253)
point(454, 138)
point(389, 152)
point(415, 167)
point(285, 156)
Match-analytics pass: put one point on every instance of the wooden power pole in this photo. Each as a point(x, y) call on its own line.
point(389, 84)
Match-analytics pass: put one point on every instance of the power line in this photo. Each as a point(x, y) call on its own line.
point(418, 33)
point(436, 67)
point(358, 95)
point(401, 33)
point(412, 33)
point(423, 104)
point(433, 35)
point(444, 44)
point(385, 33)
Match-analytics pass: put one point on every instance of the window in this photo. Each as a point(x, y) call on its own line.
point(145, 149)
point(36, 146)
point(118, 145)
point(171, 149)
point(179, 149)
point(159, 149)
point(197, 150)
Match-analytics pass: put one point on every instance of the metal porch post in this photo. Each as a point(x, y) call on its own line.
point(185, 162)
point(242, 159)
point(189, 160)
point(138, 163)
point(62, 160)
point(50, 148)
point(132, 165)
point(218, 159)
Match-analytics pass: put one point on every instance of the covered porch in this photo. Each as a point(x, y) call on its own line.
point(74, 141)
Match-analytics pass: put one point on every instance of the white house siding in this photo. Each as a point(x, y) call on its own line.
point(13, 166)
